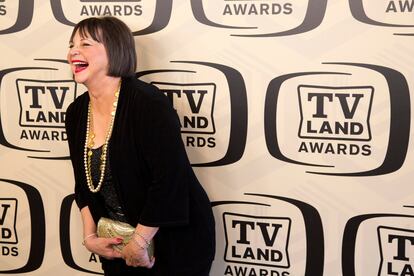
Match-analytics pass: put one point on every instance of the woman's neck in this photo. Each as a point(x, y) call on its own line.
point(102, 94)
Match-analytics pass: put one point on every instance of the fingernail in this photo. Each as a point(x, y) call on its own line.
point(119, 239)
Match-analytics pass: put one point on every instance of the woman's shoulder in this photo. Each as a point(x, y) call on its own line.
point(148, 98)
point(142, 91)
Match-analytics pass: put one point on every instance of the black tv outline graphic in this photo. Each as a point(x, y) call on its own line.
point(400, 109)
point(3, 140)
point(162, 15)
point(37, 228)
point(40, 81)
point(313, 18)
point(212, 107)
point(336, 88)
point(15, 218)
point(24, 17)
point(380, 245)
point(315, 242)
point(257, 217)
point(358, 12)
point(350, 235)
point(64, 235)
point(238, 116)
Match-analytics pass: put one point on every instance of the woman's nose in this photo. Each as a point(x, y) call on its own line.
point(73, 51)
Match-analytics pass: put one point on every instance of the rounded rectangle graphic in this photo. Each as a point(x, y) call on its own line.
point(355, 130)
point(269, 248)
point(378, 244)
point(33, 104)
point(254, 237)
point(396, 14)
point(337, 113)
point(22, 227)
point(194, 88)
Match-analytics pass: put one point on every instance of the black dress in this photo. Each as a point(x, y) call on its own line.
point(153, 179)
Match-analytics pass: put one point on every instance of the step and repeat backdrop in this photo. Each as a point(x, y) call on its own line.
point(296, 116)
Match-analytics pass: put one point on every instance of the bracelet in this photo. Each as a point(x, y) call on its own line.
point(87, 237)
point(142, 237)
point(139, 245)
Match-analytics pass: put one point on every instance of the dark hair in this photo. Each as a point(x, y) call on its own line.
point(117, 39)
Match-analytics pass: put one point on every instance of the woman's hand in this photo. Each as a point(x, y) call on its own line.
point(104, 247)
point(134, 255)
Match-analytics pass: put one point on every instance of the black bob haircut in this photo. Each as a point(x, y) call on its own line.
point(117, 39)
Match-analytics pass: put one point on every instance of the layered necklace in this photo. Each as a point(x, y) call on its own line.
point(89, 143)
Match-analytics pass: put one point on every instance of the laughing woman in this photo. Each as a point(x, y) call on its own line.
point(130, 164)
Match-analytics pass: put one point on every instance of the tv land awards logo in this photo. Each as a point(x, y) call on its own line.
point(320, 119)
point(395, 14)
point(340, 123)
point(257, 240)
point(385, 240)
point(143, 17)
point(195, 104)
point(15, 15)
point(34, 101)
point(194, 90)
point(250, 18)
point(14, 243)
point(256, 237)
point(34, 97)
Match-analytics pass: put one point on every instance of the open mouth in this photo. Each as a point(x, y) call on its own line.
point(79, 65)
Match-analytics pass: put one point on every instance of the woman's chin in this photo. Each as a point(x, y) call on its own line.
point(79, 79)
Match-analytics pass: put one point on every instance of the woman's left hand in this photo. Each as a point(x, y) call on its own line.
point(135, 255)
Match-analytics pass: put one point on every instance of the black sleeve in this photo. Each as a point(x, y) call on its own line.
point(71, 130)
point(165, 157)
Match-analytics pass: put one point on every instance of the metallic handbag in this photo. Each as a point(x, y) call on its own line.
point(108, 228)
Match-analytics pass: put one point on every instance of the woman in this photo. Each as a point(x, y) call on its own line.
point(129, 161)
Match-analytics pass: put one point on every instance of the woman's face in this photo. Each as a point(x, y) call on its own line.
point(88, 59)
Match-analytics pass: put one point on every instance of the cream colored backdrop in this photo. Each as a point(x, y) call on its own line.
point(296, 116)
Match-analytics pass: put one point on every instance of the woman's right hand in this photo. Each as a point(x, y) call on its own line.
point(104, 247)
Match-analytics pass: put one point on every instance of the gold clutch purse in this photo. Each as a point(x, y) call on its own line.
point(108, 228)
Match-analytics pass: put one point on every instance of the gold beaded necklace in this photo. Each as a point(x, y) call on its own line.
point(89, 143)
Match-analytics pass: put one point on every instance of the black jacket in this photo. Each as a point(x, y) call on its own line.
point(151, 173)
